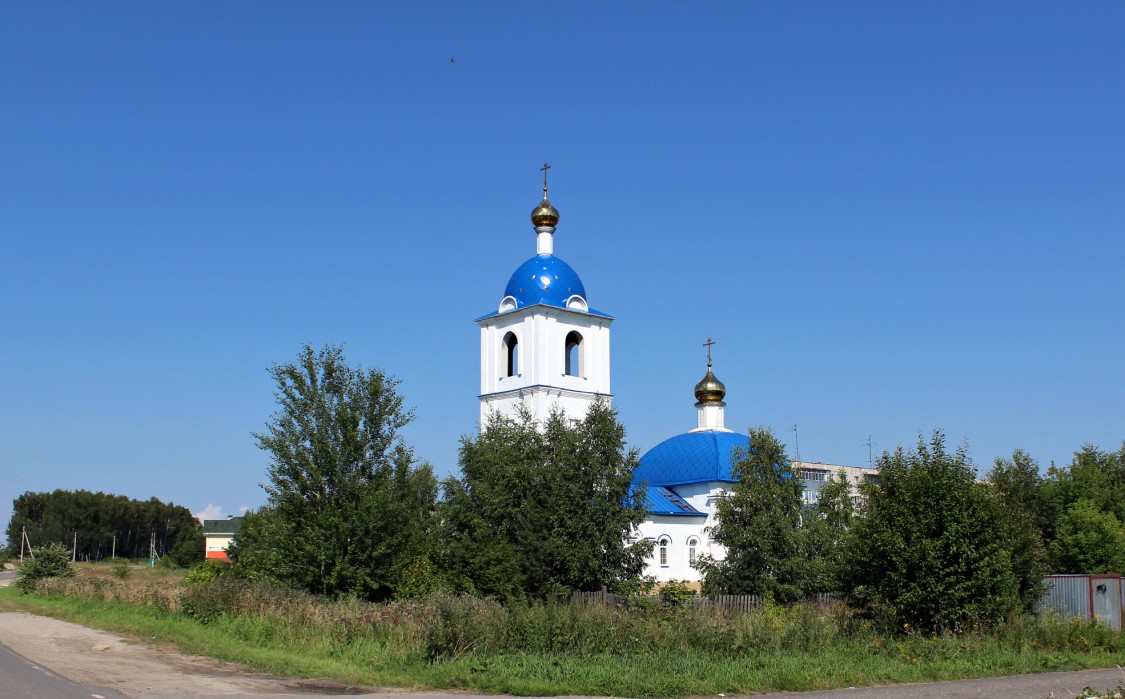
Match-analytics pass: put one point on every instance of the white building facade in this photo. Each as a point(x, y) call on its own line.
point(544, 348)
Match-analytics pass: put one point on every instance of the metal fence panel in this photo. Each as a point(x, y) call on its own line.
point(1085, 597)
point(1105, 591)
point(1069, 595)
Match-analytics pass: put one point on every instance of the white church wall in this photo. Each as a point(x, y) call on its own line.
point(541, 380)
point(678, 533)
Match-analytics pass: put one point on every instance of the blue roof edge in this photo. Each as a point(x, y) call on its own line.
point(590, 312)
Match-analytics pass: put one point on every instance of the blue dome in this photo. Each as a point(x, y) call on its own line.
point(692, 457)
point(544, 279)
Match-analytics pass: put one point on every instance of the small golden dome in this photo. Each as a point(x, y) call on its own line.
point(710, 389)
point(545, 214)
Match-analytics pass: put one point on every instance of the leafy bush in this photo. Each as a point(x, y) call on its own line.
point(420, 578)
point(51, 561)
point(121, 570)
point(675, 593)
point(205, 572)
point(930, 544)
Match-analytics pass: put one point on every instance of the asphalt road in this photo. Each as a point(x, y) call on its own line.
point(22, 679)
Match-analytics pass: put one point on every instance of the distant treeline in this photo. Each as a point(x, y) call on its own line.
point(96, 518)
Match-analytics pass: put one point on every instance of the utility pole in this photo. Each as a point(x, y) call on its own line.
point(23, 538)
point(74, 549)
point(796, 445)
point(113, 550)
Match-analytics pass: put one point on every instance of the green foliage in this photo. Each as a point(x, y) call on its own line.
point(1086, 505)
point(1093, 475)
point(541, 649)
point(675, 593)
point(189, 549)
point(97, 518)
point(1023, 517)
point(544, 510)
point(929, 546)
point(50, 561)
point(825, 533)
point(759, 523)
point(347, 508)
point(420, 578)
point(121, 570)
point(1088, 540)
point(205, 572)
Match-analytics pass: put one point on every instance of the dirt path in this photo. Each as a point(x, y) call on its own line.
point(139, 670)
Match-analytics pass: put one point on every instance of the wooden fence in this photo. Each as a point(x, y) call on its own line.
point(735, 604)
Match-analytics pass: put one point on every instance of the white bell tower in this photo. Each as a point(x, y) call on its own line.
point(543, 346)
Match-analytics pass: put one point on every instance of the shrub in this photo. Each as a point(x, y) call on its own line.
point(51, 561)
point(675, 593)
point(930, 544)
point(205, 572)
point(121, 570)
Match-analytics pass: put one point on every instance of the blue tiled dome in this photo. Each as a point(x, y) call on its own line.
point(544, 279)
point(692, 457)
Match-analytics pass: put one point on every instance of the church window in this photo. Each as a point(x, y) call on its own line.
point(692, 545)
point(663, 544)
point(511, 355)
point(573, 354)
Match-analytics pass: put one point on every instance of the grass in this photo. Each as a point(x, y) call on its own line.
point(450, 643)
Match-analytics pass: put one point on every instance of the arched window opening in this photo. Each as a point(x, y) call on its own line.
point(663, 544)
point(573, 354)
point(511, 355)
point(692, 545)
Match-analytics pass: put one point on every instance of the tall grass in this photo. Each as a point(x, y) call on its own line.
point(561, 648)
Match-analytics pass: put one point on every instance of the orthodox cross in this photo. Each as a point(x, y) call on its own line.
point(544, 170)
point(708, 346)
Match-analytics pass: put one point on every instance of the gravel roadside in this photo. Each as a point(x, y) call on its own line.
point(142, 671)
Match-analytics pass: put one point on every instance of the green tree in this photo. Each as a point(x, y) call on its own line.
point(1024, 515)
point(103, 525)
point(929, 543)
point(50, 561)
point(347, 507)
point(759, 524)
point(543, 510)
point(826, 526)
point(1088, 540)
point(1093, 475)
point(189, 549)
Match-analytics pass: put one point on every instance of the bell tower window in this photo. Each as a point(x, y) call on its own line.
point(511, 355)
point(573, 351)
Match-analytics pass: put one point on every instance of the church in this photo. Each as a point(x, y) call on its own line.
point(544, 346)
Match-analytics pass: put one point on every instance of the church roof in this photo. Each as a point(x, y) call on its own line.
point(692, 457)
point(664, 501)
point(544, 279)
point(548, 281)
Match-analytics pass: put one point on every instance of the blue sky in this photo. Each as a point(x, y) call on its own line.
point(892, 217)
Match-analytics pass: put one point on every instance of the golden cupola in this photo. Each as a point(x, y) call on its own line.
point(710, 389)
point(545, 215)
